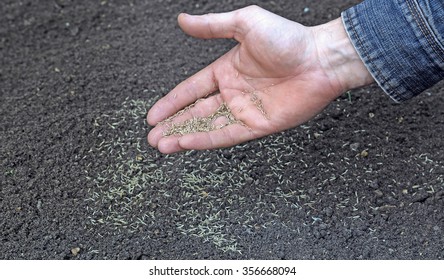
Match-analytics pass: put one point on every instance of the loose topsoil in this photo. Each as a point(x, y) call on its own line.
point(363, 180)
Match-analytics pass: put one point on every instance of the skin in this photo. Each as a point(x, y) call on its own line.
point(294, 71)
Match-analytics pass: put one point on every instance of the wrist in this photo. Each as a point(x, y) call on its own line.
point(338, 58)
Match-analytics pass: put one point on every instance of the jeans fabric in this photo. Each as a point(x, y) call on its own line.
point(400, 42)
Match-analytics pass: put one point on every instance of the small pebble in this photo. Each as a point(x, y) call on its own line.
point(75, 251)
point(378, 193)
point(364, 153)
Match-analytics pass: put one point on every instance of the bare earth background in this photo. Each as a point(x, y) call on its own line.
point(364, 180)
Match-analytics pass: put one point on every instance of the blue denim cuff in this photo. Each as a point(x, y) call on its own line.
point(400, 42)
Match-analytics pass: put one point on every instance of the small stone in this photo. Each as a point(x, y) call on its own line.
point(405, 191)
point(57, 70)
point(317, 234)
point(378, 193)
point(371, 115)
point(249, 180)
point(364, 153)
point(75, 251)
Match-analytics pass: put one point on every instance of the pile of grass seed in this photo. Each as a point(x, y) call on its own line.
point(206, 124)
point(199, 124)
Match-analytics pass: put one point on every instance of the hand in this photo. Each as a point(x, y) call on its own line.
point(280, 75)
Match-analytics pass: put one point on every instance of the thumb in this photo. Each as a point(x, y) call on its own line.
point(220, 25)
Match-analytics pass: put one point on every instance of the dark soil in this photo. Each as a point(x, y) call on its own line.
point(364, 180)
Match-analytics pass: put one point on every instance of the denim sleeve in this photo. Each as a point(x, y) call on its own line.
point(400, 42)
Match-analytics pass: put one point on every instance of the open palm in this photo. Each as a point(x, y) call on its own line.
point(271, 81)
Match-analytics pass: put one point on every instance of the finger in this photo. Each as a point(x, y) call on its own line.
point(170, 145)
point(225, 137)
point(197, 86)
point(220, 25)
